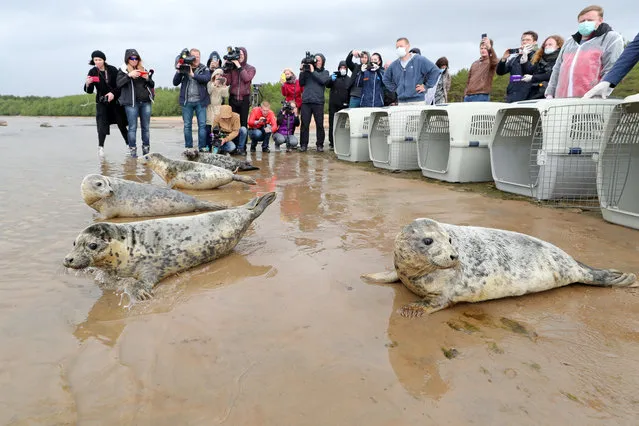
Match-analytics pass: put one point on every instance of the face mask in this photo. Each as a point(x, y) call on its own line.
point(401, 52)
point(357, 61)
point(342, 72)
point(549, 50)
point(586, 28)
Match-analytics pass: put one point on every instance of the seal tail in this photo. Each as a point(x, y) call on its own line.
point(245, 179)
point(259, 204)
point(608, 277)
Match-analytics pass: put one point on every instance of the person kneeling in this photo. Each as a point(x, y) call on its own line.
point(287, 121)
point(228, 122)
point(262, 124)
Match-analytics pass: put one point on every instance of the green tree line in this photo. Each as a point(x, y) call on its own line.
point(166, 100)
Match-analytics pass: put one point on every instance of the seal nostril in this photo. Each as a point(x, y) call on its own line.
point(453, 257)
point(69, 260)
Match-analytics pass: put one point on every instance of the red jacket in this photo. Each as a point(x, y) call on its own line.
point(256, 114)
point(293, 92)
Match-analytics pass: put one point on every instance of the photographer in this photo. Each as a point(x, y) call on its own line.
point(355, 67)
point(231, 134)
point(287, 121)
point(338, 98)
point(513, 62)
point(102, 78)
point(261, 125)
point(194, 97)
point(371, 83)
point(239, 76)
point(291, 89)
point(136, 95)
point(313, 77)
point(218, 90)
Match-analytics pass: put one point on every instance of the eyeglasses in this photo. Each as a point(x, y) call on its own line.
point(133, 58)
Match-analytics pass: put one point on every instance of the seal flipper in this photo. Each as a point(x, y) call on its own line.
point(382, 277)
point(421, 307)
point(244, 179)
point(607, 277)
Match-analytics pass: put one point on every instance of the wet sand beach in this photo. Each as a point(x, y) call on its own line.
point(283, 331)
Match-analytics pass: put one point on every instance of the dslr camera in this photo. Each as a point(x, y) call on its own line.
point(232, 54)
point(287, 107)
point(103, 100)
point(216, 137)
point(308, 61)
point(184, 61)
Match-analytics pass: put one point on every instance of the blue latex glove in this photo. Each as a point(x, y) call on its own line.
point(333, 77)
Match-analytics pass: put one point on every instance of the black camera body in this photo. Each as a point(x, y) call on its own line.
point(184, 61)
point(103, 100)
point(513, 51)
point(232, 54)
point(287, 107)
point(216, 139)
point(308, 60)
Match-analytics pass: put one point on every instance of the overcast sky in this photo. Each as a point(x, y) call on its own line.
point(46, 45)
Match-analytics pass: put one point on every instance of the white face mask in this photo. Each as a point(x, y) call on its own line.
point(401, 52)
point(342, 72)
point(549, 50)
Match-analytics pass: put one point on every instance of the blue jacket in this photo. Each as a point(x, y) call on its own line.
point(624, 64)
point(372, 88)
point(202, 75)
point(403, 81)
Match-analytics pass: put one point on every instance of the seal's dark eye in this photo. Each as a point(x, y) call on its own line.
point(427, 241)
point(98, 184)
point(450, 240)
point(93, 246)
point(74, 244)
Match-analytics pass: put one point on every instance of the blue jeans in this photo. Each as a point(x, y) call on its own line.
point(354, 102)
point(240, 139)
point(258, 135)
point(142, 110)
point(227, 147)
point(480, 97)
point(187, 116)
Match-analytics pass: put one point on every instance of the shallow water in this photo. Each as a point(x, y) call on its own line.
point(283, 331)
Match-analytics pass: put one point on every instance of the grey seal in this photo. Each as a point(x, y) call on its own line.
point(225, 161)
point(151, 250)
point(114, 197)
point(190, 175)
point(447, 264)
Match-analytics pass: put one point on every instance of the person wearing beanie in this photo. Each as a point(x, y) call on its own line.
point(102, 79)
point(136, 95)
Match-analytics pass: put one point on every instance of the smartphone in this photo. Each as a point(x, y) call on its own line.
point(513, 51)
point(484, 35)
point(143, 73)
point(95, 79)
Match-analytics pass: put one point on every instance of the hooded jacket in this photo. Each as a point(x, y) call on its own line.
point(292, 91)
point(240, 79)
point(201, 76)
point(314, 83)
point(228, 122)
point(130, 86)
point(516, 90)
point(339, 93)
point(581, 65)
point(216, 93)
point(403, 80)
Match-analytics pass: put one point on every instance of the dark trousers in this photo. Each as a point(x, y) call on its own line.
point(332, 109)
point(317, 112)
point(107, 114)
point(241, 107)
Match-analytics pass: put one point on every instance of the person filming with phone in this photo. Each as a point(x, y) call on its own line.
point(512, 62)
point(481, 73)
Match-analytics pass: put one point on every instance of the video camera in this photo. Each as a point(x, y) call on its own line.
point(184, 61)
point(216, 136)
point(232, 54)
point(287, 107)
point(308, 61)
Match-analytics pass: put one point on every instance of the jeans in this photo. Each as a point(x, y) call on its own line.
point(227, 147)
point(240, 139)
point(354, 102)
point(187, 116)
point(480, 97)
point(317, 112)
point(279, 139)
point(258, 135)
point(142, 110)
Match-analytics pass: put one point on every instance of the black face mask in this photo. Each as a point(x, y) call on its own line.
point(290, 79)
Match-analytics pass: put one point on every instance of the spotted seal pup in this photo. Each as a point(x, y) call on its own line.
point(225, 161)
point(114, 197)
point(151, 250)
point(190, 175)
point(447, 264)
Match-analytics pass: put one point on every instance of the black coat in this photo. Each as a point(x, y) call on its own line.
point(107, 82)
point(340, 93)
point(356, 75)
point(516, 90)
point(541, 72)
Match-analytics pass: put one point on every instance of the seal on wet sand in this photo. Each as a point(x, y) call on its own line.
point(190, 175)
point(225, 161)
point(114, 197)
point(447, 264)
point(151, 250)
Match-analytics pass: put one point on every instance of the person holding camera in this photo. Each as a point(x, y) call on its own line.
point(227, 131)
point(513, 61)
point(287, 121)
point(407, 74)
point(239, 76)
point(539, 69)
point(371, 83)
point(102, 78)
point(192, 77)
point(355, 65)
point(313, 77)
point(291, 89)
point(339, 96)
point(481, 73)
point(262, 124)
point(218, 90)
point(136, 95)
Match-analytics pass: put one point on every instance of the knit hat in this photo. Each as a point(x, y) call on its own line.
point(97, 54)
point(130, 52)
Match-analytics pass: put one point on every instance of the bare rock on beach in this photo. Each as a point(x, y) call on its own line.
point(45, 125)
point(3, 123)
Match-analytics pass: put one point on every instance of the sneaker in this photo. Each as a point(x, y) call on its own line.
point(133, 151)
point(205, 149)
point(101, 151)
point(253, 149)
point(266, 149)
point(320, 149)
point(303, 149)
point(145, 149)
point(331, 147)
point(288, 149)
